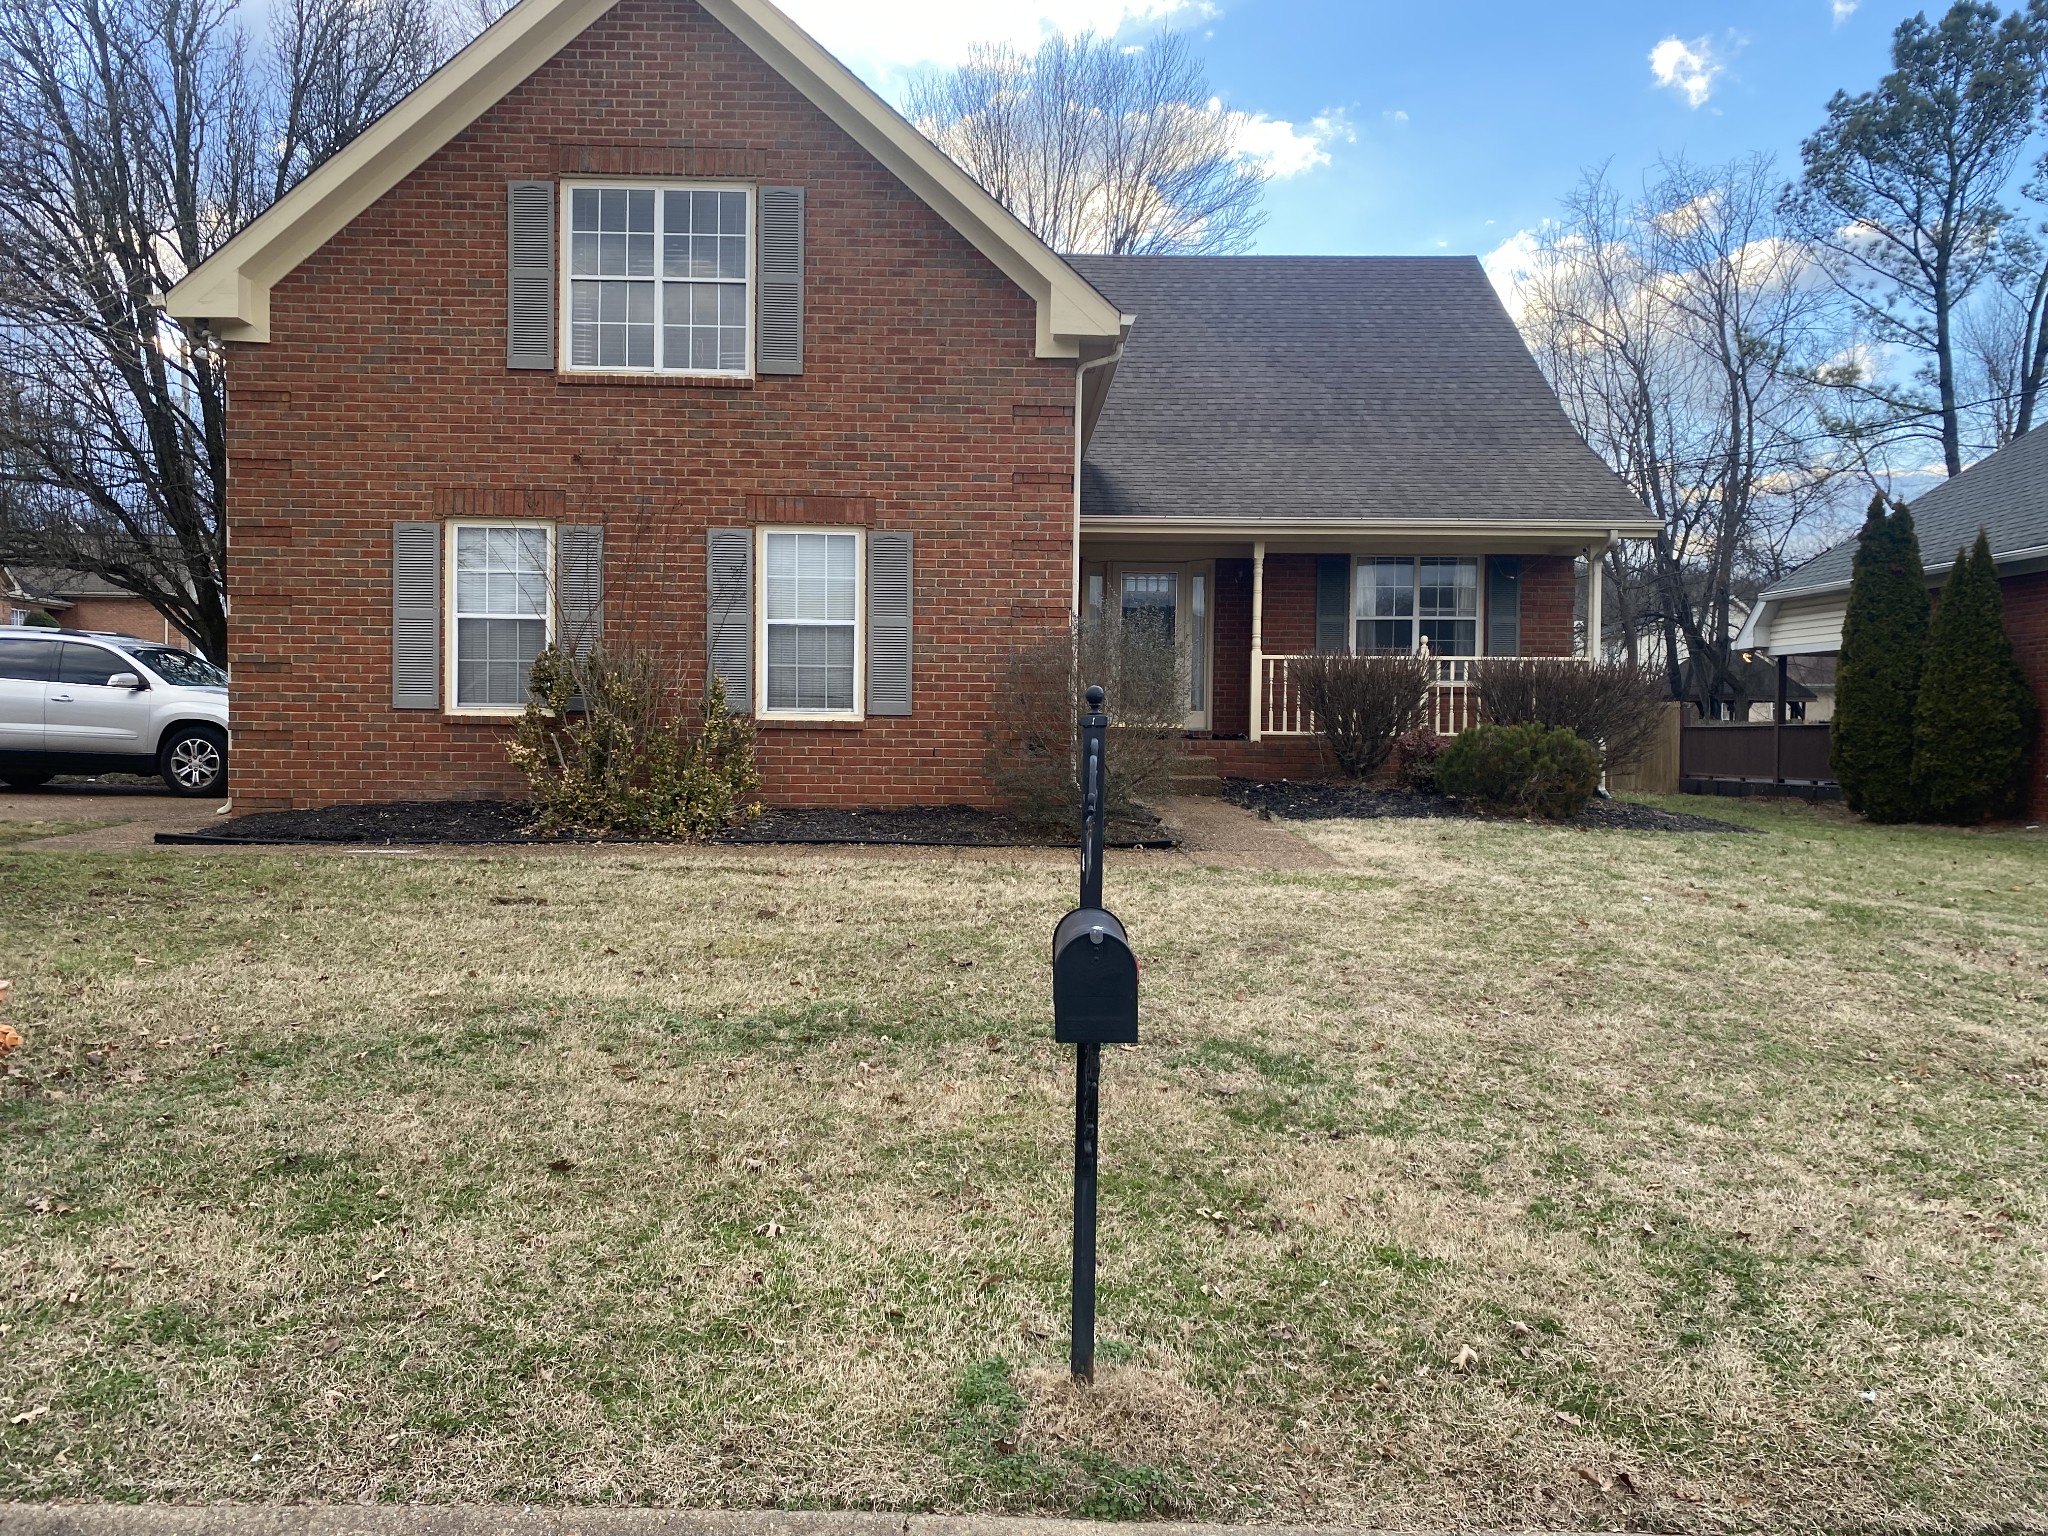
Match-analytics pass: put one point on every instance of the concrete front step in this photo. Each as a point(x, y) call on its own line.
point(1194, 774)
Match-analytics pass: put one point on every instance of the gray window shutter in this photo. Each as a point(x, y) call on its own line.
point(415, 615)
point(530, 276)
point(888, 623)
point(1333, 603)
point(1503, 605)
point(779, 338)
point(729, 563)
point(579, 587)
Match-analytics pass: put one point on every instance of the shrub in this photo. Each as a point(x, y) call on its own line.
point(1362, 703)
point(627, 761)
point(1521, 770)
point(1033, 743)
point(1417, 757)
point(1975, 720)
point(1877, 680)
point(1617, 707)
point(38, 619)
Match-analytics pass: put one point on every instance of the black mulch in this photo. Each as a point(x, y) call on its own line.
point(1285, 800)
point(413, 823)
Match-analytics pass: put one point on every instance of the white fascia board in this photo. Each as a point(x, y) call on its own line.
point(1756, 629)
point(231, 290)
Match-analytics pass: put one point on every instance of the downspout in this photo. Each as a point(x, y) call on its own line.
point(1108, 360)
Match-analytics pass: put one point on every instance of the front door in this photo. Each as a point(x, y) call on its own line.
point(1177, 597)
point(82, 714)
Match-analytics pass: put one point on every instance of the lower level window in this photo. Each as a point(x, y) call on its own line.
point(1403, 602)
point(810, 602)
point(500, 611)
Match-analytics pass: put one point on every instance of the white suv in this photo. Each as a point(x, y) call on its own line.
point(77, 702)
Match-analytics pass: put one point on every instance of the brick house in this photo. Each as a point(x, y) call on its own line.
point(645, 318)
point(80, 600)
point(2006, 495)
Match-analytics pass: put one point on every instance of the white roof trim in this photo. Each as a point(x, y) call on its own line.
point(230, 291)
point(1595, 531)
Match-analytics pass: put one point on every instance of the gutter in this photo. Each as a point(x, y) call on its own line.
point(1108, 360)
point(1767, 604)
point(1576, 531)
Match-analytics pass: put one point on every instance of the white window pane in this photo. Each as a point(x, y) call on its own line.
point(640, 255)
point(494, 659)
point(612, 209)
point(583, 348)
point(732, 213)
point(675, 255)
point(704, 213)
point(611, 254)
point(732, 304)
point(732, 350)
point(583, 208)
point(639, 346)
point(675, 213)
point(781, 578)
point(583, 257)
point(732, 256)
point(641, 215)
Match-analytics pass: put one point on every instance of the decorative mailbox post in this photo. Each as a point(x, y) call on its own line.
point(1094, 1003)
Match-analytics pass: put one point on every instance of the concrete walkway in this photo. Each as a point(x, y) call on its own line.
point(134, 810)
point(474, 1520)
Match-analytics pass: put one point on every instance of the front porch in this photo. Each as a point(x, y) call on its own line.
point(1246, 613)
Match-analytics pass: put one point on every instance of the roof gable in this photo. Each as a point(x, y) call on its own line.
point(230, 291)
point(1313, 389)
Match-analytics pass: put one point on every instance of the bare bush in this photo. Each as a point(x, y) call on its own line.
point(1617, 707)
point(1032, 744)
point(1362, 703)
point(606, 747)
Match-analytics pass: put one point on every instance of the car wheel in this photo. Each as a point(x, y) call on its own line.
point(25, 778)
point(194, 760)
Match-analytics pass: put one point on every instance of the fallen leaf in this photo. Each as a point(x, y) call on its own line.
point(769, 1229)
point(1467, 1358)
point(1518, 1328)
point(1589, 1475)
point(1626, 1483)
point(379, 1277)
point(32, 1415)
point(10, 1040)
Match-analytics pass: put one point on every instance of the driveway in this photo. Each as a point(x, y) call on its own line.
point(127, 813)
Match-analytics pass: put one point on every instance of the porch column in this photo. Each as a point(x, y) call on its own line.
point(1258, 635)
point(1595, 559)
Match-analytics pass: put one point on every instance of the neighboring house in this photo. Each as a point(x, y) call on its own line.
point(79, 601)
point(645, 318)
point(2007, 496)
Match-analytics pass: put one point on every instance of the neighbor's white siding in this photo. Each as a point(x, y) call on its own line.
point(1807, 626)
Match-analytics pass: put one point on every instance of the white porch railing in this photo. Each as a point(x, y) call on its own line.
point(1453, 703)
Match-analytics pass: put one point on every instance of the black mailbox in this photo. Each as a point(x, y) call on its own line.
point(1094, 981)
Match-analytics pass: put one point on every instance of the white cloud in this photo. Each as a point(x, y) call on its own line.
point(1288, 149)
point(1688, 68)
point(1844, 9)
point(1396, 116)
point(1510, 264)
point(880, 37)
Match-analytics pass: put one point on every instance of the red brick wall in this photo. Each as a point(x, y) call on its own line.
point(2026, 622)
point(1230, 688)
point(383, 395)
point(1549, 596)
point(1290, 622)
point(120, 616)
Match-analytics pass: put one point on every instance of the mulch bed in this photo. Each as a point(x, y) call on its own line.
point(414, 823)
point(1286, 800)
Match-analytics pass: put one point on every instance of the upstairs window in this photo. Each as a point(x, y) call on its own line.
point(659, 279)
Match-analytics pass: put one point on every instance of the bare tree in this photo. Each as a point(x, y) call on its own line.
point(1098, 147)
point(339, 65)
point(1902, 191)
point(1681, 329)
point(136, 136)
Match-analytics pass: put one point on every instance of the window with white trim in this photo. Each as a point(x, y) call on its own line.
point(1447, 604)
point(810, 622)
point(659, 279)
point(1403, 600)
point(499, 615)
point(1386, 606)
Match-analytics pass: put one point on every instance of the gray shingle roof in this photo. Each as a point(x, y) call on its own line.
point(2006, 495)
point(1304, 387)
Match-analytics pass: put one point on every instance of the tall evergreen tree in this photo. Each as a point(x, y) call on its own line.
point(1975, 721)
point(1877, 682)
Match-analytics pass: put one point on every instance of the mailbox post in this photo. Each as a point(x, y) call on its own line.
point(1094, 1003)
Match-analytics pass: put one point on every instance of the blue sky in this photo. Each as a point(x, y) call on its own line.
point(1444, 125)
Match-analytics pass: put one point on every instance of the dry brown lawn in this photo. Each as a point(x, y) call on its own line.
point(1493, 1175)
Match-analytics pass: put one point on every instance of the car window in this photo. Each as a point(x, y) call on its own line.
point(90, 665)
point(182, 669)
point(33, 661)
